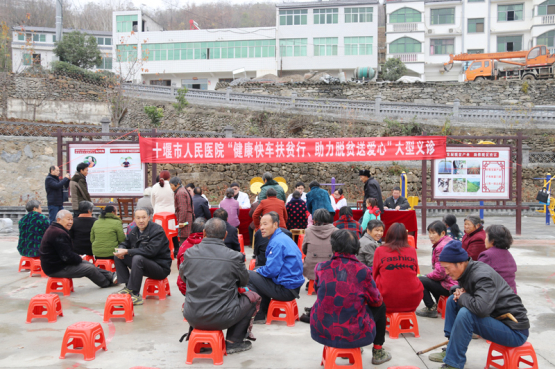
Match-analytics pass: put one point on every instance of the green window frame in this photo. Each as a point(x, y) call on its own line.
point(125, 53)
point(293, 47)
point(100, 40)
point(124, 23)
point(325, 46)
point(27, 59)
point(361, 45)
point(108, 41)
point(359, 15)
point(293, 17)
point(509, 43)
point(443, 16)
point(405, 15)
point(476, 25)
point(475, 51)
point(326, 16)
point(405, 45)
point(21, 37)
point(546, 8)
point(209, 50)
point(105, 63)
point(442, 46)
point(53, 38)
point(37, 37)
point(547, 39)
point(510, 13)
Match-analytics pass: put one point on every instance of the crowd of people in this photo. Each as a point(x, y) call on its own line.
point(355, 266)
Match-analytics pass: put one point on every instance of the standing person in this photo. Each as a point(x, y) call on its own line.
point(394, 270)
point(55, 192)
point(271, 203)
point(337, 199)
point(269, 182)
point(371, 189)
point(318, 198)
point(252, 227)
point(106, 233)
point(296, 212)
point(474, 239)
point(79, 188)
point(80, 232)
point(162, 196)
point(370, 242)
point(191, 189)
point(298, 187)
point(232, 207)
point(31, 230)
point(372, 212)
point(396, 201)
point(498, 242)
point(200, 205)
point(453, 230)
point(346, 221)
point(145, 202)
point(232, 238)
point(241, 197)
point(183, 211)
point(437, 283)
point(194, 238)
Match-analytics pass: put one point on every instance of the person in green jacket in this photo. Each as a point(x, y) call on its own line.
point(372, 212)
point(269, 182)
point(106, 233)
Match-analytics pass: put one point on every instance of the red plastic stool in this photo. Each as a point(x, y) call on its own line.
point(252, 264)
point(241, 243)
point(441, 306)
point(118, 303)
point(86, 338)
point(26, 263)
point(401, 323)
point(168, 221)
point(64, 285)
point(88, 258)
point(213, 339)
point(300, 243)
point(330, 355)
point(310, 287)
point(512, 356)
point(156, 287)
point(106, 264)
point(277, 308)
point(403, 367)
point(40, 303)
point(36, 269)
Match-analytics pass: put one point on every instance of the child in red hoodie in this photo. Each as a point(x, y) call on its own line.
point(197, 234)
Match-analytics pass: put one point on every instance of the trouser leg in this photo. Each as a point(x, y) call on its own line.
point(432, 288)
point(53, 211)
point(100, 277)
point(378, 314)
point(238, 331)
point(176, 242)
point(122, 268)
point(267, 290)
point(141, 266)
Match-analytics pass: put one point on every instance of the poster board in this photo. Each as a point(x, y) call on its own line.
point(473, 173)
point(114, 169)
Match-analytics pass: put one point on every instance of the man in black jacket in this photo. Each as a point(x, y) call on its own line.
point(231, 240)
point(55, 192)
point(146, 252)
point(396, 201)
point(482, 303)
point(200, 205)
point(371, 189)
point(213, 274)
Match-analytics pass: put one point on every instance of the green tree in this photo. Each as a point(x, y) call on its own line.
point(154, 114)
point(79, 49)
point(5, 58)
point(393, 69)
point(181, 100)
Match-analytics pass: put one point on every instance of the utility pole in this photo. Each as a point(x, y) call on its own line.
point(59, 20)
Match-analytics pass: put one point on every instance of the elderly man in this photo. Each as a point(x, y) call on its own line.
point(282, 276)
point(396, 201)
point(79, 188)
point(483, 303)
point(272, 203)
point(371, 189)
point(213, 274)
point(145, 252)
point(58, 259)
point(269, 182)
point(31, 230)
point(183, 211)
point(231, 239)
point(241, 197)
point(55, 192)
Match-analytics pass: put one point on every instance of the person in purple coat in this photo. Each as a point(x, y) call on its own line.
point(497, 255)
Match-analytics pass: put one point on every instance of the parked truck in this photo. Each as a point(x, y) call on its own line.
point(535, 63)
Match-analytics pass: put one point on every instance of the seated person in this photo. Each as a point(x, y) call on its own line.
point(58, 260)
point(396, 201)
point(346, 221)
point(474, 239)
point(497, 255)
point(453, 229)
point(145, 252)
point(194, 239)
point(232, 207)
point(213, 274)
point(31, 229)
point(437, 283)
point(318, 198)
point(296, 212)
point(337, 199)
point(282, 276)
point(271, 203)
point(231, 239)
point(349, 311)
point(80, 232)
point(260, 245)
point(394, 270)
point(370, 242)
point(298, 187)
point(480, 304)
point(106, 233)
point(372, 212)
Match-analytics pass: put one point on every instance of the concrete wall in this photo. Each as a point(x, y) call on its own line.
point(58, 111)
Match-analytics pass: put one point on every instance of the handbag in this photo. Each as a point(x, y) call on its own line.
point(543, 196)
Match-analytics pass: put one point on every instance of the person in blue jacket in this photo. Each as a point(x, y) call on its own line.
point(55, 192)
point(318, 198)
point(282, 276)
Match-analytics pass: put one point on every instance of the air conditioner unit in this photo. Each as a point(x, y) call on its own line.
point(430, 31)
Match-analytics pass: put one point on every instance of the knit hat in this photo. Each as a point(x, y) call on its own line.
point(453, 253)
point(364, 172)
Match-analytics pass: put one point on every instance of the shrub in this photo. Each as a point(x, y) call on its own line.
point(181, 100)
point(154, 114)
point(80, 73)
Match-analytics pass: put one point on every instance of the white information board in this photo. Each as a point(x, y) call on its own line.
point(114, 169)
point(473, 173)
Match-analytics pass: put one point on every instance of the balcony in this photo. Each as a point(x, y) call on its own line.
point(544, 19)
point(405, 27)
point(408, 57)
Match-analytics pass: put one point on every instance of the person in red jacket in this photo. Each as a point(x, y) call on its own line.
point(474, 239)
point(194, 238)
point(271, 203)
point(395, 269)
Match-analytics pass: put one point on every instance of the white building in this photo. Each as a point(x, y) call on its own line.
point(35, 45)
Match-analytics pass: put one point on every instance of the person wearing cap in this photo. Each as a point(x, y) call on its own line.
point(482, 303)
point(371, 189)
point(241, 197)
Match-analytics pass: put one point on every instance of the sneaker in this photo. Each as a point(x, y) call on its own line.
point(446, 366)
point(114, 279)
point(428, 312)
point(307, 310)
point(137, 300)
point(234, 347)
point(305, 318)
point(380, 356)
point(124, 291)
point(438, 356)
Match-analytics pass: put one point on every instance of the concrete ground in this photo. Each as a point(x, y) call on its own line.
point(152, 339)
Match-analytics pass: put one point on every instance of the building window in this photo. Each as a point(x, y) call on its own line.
point(293, 47)
point(546, 8)
point(36, 59)
point(293, 17)
point(21, 37)
point(442, 46)
point(125, 22)
point(475, 51)
point(443, 16)
point(476, 25)
point(39, 38)
point(27, 59)
point(509, 43)
point(358, 45)
point(100, 40)
point(325, 46)
point(509, 13)
point(53, 38)
point(546, 39)
point(105, 63)
point(405, 15)
point(326, 16)
point(358, 15)
point(126, 53)
point(405, 45)
point(107, 41)
point(209, 50)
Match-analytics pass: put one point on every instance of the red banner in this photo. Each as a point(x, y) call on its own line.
point(288, 150)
